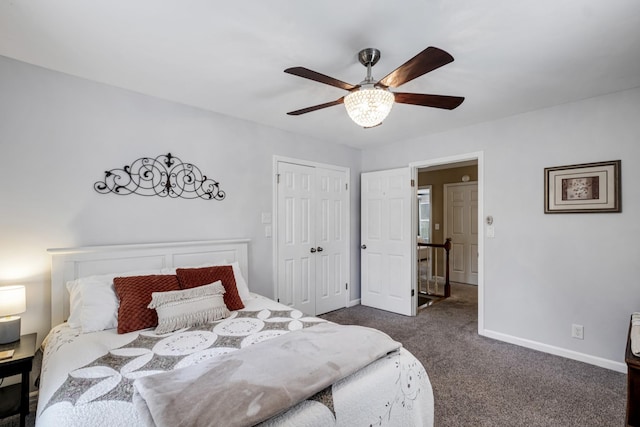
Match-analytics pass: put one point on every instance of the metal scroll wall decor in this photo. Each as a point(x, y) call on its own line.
point(163, 176)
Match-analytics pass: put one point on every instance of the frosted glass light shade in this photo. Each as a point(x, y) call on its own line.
point(13, 300)
point(369, 106)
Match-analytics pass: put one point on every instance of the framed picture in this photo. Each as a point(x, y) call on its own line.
point(588, 187)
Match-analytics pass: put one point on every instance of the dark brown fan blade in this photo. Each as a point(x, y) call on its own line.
point(315, 76)
point(427, 60)
point(436, 101)
point(316, 107)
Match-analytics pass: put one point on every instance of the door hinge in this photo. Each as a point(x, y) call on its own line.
point(346, 286)
point(413, 182)
point(277, 178)
point(413, 292)
point(346, 186)
point(278, 299)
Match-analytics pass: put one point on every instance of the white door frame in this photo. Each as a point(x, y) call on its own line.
point(479, 157)
point(274, 222)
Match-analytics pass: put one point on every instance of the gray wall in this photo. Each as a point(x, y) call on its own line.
point(544, 272)
point(541, 272)
point(59, 134)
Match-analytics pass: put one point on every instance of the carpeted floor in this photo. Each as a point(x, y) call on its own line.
point(478, 381)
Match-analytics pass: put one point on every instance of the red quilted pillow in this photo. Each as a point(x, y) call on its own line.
point(194, 277)
point(134, 294)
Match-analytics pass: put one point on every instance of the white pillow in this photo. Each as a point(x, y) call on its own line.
point(241, 283)
point(94, 303)
point(75, 304)
point(189, 307)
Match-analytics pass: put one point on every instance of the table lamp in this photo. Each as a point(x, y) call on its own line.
point(12, 302)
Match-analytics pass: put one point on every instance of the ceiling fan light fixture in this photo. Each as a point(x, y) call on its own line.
point(370, 102)
point(369, 105)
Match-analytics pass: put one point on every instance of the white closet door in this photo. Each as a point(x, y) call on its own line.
point(386, 245)
point(296, 237)
point(331, 240)
point(312, 237)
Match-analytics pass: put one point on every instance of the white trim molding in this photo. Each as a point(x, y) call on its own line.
point(557, 351)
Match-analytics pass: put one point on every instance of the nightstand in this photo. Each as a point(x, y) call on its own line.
point(14, 399)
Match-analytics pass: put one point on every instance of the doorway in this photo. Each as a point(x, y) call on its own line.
point(456, 168)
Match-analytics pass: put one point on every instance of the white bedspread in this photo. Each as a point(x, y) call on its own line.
point(87, 379)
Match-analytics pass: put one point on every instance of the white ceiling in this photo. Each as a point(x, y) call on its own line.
point(228, 57)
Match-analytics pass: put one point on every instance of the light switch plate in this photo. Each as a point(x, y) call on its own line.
point(491, 232)
point(266, 217)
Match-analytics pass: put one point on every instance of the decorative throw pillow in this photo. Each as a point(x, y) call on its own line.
point(194, 277)
point(241, 283)
point(189, 307)
point(135, 295)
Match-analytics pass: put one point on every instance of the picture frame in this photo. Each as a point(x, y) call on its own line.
point(583, 188)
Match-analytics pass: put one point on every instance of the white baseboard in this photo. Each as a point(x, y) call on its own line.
point(557, 351)
point(353, 302)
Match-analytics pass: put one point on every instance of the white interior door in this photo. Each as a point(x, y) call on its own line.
point(386, 244)
point(461, 224)
point(331, 240)
point(295, 236)
point(312, 237)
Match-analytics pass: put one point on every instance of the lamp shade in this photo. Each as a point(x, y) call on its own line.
point(13, 300)
point(369, 106)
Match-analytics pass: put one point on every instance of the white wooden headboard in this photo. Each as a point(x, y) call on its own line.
point(71, 263)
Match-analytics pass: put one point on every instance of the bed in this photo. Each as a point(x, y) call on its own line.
point(92, 376)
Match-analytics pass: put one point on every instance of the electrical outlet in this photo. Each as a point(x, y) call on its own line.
point(577, 331)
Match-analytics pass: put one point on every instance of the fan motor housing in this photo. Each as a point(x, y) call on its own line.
point(369, 56)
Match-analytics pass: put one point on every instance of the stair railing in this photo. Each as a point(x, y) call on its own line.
point(447, 247)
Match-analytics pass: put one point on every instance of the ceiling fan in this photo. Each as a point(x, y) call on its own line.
point(369, 102)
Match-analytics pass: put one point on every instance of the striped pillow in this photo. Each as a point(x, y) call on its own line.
point(189, 307)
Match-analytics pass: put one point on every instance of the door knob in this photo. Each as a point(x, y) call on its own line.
point(364, 246)
point(320, 249)
point(313, 250)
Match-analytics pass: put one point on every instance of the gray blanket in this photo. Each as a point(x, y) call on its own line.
point(260, 381)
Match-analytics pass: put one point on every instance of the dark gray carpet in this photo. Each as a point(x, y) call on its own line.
point(478, 381)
